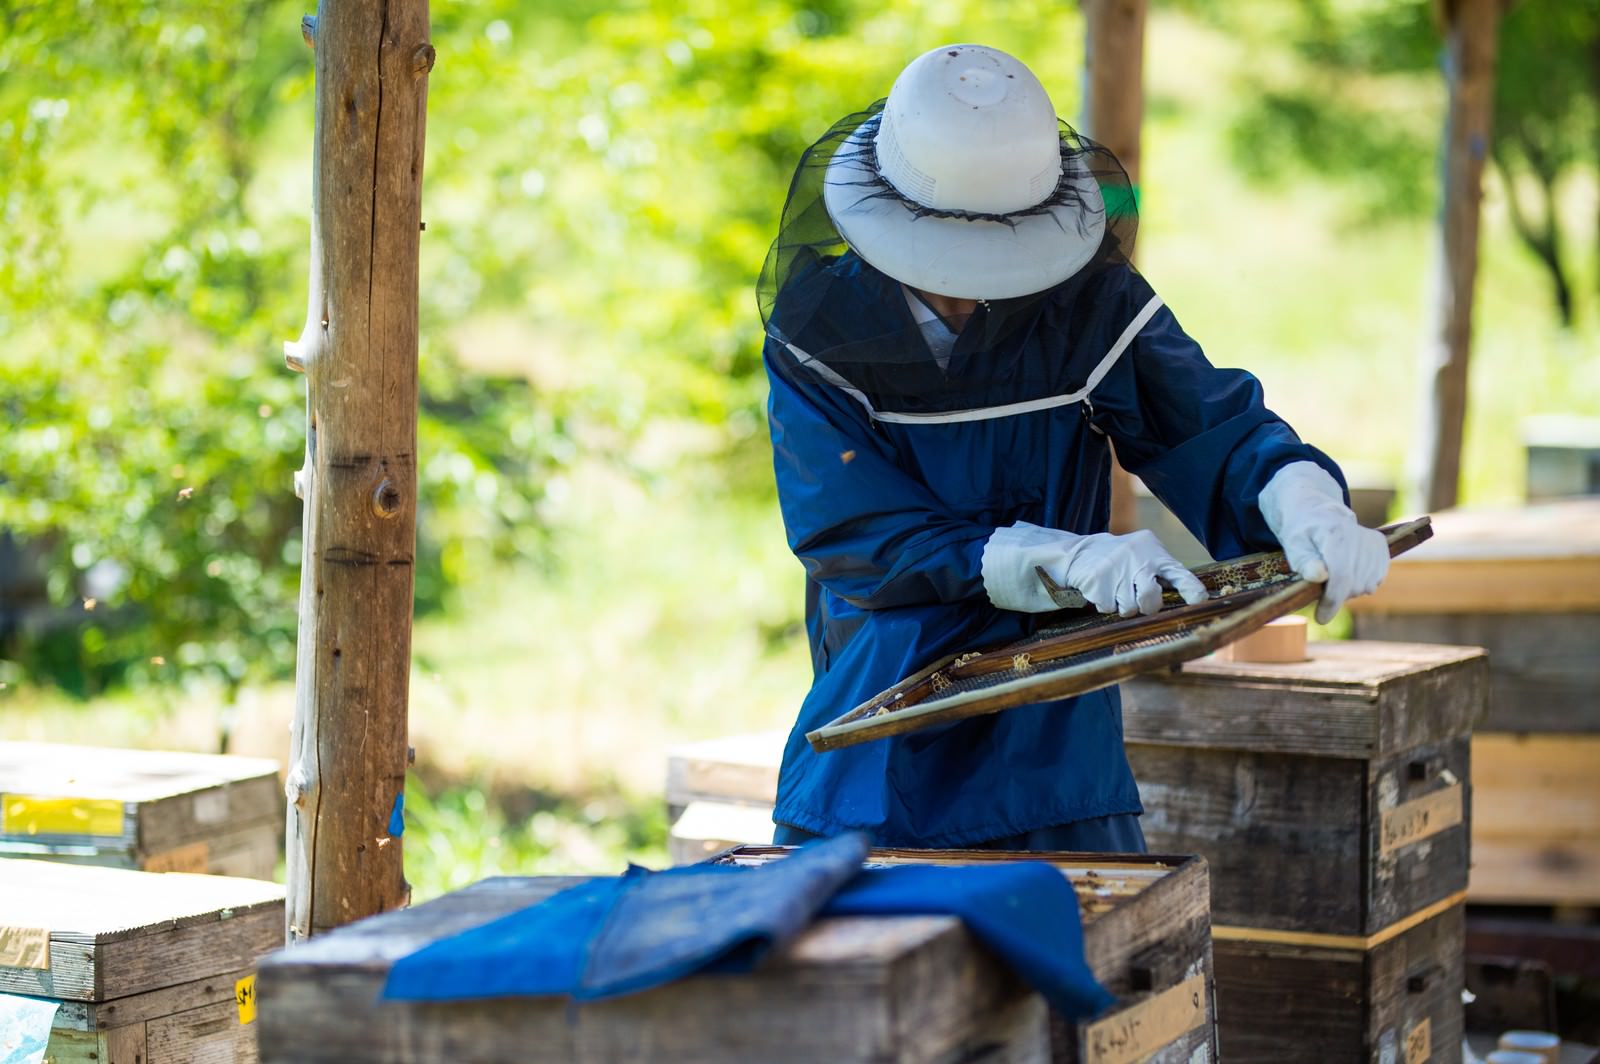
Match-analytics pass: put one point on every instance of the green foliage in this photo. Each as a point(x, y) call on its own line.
point(1547, 123)
point(459, 833)
point(1366, 107)
point(604, 176)
point(602, 179)
point(1547, 97)
point(1356, 108)
point(147, 284)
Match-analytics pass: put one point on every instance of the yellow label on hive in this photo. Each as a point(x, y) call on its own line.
point(1419, 819)
point(1159, 1020)
point(195, 857)
point(1419, 1042)
point(244, 992)
point(22, 814)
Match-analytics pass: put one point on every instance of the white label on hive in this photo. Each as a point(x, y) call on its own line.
point(211, 807)
point(1419, 819)
point(213, 1051)
point(1157, 1021)
point(1419, 1042)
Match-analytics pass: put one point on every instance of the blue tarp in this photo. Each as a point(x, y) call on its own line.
point(25, 1028)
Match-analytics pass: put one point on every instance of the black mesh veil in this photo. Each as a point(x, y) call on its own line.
point(823, 303)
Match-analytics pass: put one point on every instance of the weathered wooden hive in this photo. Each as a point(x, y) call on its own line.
point(1146, 936)
point(144, 809)
point(878, 989)
point(139, 967)
point(1332, 799)
point(1525, 585)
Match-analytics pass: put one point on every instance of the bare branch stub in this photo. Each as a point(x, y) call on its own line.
point(386, 499)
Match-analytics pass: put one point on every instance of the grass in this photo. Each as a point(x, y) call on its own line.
point(543, 704)
point(542, 708)
point(458, 833)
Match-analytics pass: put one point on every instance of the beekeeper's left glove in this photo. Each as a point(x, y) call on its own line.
point(1304, 507)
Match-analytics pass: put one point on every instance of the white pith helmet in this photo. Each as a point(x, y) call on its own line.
point(970, 134)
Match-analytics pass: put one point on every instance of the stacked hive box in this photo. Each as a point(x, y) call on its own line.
point(1331, 798)
point(143, 809)
point(878, 989)
point(720, 793)
point(1525, 585)
point(123, 967)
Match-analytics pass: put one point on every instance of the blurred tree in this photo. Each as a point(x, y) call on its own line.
point(1365, 114)
point(1547, 123)
point(604, 176)
point(144, 287)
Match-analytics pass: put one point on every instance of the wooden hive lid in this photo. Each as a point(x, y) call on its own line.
point(134, 776)
point(1540, 558)
point(1355, 698)
point(91, 934)
point(1103, 882)
point(56, 798)
point(739, 768)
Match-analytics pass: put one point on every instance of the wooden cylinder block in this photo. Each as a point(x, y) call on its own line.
point(1282, 640)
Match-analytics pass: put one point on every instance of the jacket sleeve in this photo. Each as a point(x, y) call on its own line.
point(863, 527)
point(1201, 438)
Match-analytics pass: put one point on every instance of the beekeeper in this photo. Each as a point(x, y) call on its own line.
point(955, 342)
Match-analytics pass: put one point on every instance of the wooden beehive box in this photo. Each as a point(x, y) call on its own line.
point(879, 990)
point(1295, 996)
point(1332, 798)
point(1329, 796)
point(144, 967)
point(1522, 583)
point(144, 809)
point(732, 770)
point(1146, 937)
point(720, 793)
point(1525, 585)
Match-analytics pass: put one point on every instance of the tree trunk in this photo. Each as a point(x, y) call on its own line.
point(359, 353)
point(1113, 113)
point(1543, 239)
point(1472, 30)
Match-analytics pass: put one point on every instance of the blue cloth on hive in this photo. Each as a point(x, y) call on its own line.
point(609, 937)
point(1026, 912)
point(614, 936)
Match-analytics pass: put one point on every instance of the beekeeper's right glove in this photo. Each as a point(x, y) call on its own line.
point(1116, 574)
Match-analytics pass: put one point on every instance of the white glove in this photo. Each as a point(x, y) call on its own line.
point(1117, 574)
point(1304, 507)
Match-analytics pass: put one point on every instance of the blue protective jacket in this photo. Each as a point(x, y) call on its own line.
point(888, 500)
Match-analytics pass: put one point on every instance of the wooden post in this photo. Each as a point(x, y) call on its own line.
point(358, 351)
point(1472, 31)
point(1113, 113)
